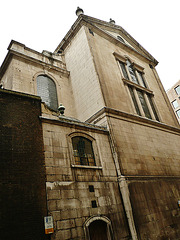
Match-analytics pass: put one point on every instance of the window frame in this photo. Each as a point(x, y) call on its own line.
point(94, 147)
point(80, 153)
point(174, 105)
point(138, 86)
point(178, 111)
point(177, 87)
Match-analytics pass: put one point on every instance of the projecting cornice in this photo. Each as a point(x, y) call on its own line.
point(45, 59)
point(110, 112)
point(101, 28)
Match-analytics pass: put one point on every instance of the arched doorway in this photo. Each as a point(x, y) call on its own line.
point(98, 228)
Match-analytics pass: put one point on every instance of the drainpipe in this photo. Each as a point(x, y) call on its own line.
point(123, 186)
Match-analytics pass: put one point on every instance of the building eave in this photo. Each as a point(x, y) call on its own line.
point(84, 20)
point(17, 49)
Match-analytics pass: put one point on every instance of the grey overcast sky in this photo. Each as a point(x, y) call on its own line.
point(42, 24)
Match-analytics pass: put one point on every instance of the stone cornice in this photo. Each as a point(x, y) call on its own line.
point(20, 50)
point(75, 124)
point(20, 94)
point(110, 112)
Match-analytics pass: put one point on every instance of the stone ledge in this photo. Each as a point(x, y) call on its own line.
point(87, 167)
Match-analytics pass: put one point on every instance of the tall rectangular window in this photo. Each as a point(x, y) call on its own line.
point(143, 100)
point(144, 104)
point(134, 100)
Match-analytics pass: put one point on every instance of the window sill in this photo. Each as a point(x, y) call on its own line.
point(86, 167)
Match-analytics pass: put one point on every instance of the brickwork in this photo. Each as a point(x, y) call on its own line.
point(22, 172)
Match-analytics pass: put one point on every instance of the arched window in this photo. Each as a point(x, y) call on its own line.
point(83, 151)
point(46, 89)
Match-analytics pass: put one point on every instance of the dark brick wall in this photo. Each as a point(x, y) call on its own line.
point(22, 171)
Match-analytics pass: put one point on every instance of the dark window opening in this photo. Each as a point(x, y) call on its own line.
point(91, 188)
point(120, 39)
point(83, 151)
point(94, 204)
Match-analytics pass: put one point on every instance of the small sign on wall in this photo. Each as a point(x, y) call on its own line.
point(48, 223)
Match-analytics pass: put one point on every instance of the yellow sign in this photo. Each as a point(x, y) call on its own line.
point(48, 223)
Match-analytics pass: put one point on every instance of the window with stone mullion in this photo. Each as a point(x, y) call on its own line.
point(132, 72)
point(144, 104)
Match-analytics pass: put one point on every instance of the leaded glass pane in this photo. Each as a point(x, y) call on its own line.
point(142, 79)
point(132, 72)
point(153, 107)
point(46, 89)
point(144, 104)
point(83, 151)
point(134, 100)
point(124, 70)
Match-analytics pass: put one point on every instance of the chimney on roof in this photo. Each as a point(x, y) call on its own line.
point(112, 21)
point(79, 11)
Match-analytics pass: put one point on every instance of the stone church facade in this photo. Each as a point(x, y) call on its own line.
point(112, 159)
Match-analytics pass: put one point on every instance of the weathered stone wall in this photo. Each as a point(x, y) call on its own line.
point(149, 159)
point(155, 208)
point(22, 172)
point(84, 77)
point(146, 149)
point(69, 197)
point(24, 65)
point(108, 75)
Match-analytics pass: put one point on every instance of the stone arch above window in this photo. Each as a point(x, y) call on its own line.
point(46, 89)
point(98, 228)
